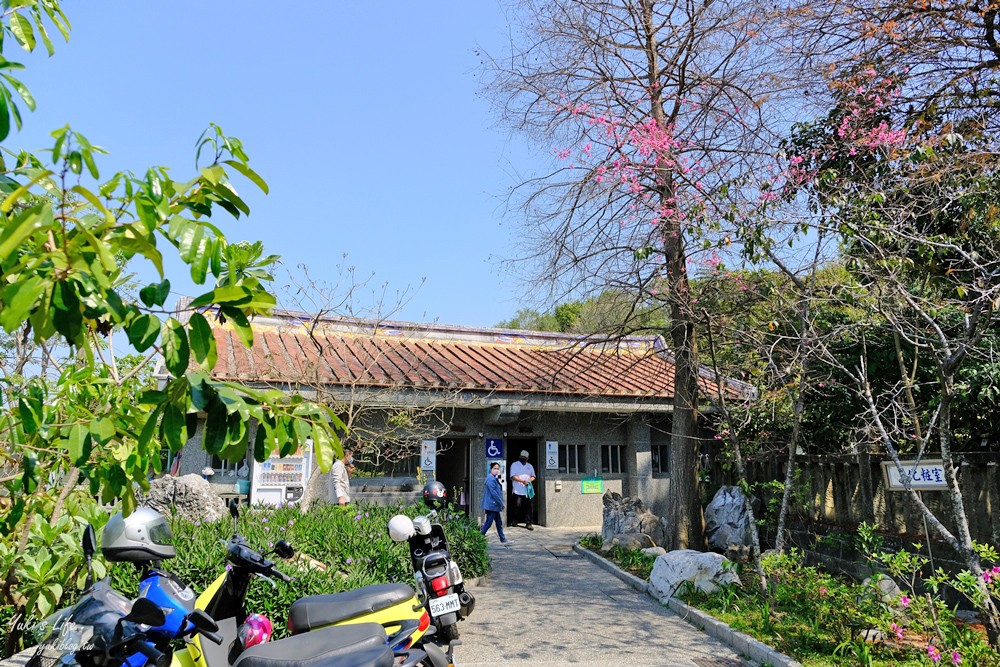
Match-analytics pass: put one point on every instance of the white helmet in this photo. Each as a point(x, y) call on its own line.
point(140, 537)
point(400, 528)
point(422, 525)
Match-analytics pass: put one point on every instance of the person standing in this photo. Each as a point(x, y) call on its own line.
point(493, 502)
point(522, 474)
point(340, 481)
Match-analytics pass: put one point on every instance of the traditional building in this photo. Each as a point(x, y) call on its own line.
point(593, 415)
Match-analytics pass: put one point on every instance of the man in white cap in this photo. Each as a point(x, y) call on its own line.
point(521, 474)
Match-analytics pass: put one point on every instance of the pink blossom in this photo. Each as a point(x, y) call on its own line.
point(896, 630)
point(956, 658)
point(933, 653)
point(904, 601)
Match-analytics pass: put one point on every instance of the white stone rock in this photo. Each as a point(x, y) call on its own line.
point(705, 570)
point(189, 496)
point(654, 551)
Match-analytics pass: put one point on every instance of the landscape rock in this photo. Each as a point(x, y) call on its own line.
point(727, 524)
point(631, 541)
point(627, 516)
point(654, 551)
point(889, 590)
point(189, 496)
point(705, 570)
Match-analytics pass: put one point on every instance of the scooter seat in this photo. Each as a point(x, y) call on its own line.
point(317, 611)
point(360, 645)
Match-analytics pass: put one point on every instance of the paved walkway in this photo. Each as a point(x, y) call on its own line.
point(543, 604)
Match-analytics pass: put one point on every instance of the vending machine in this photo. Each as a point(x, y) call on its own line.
point(281, 480)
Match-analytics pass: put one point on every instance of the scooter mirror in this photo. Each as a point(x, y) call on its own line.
point(89, 541)
point(202, 621)
point(283, 549)
point(146, 612)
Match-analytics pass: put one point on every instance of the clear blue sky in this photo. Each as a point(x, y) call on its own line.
point(366, 119)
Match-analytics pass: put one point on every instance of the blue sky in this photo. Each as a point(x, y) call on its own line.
point(366, 119)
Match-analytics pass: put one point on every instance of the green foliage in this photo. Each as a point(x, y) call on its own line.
point(820, 619)
point(70, 243)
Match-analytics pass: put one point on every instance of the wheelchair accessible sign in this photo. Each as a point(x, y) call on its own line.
point(494, 448)
point(428, 455)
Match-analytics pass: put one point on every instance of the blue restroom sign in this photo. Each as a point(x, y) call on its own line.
point(494, 448)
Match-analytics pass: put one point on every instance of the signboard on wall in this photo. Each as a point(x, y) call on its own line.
point(428, 454)
point(926, 475)
point(592, 485)
point(551, 455)
point(494, 448)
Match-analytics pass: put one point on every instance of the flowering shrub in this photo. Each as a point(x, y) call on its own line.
point(927, 616)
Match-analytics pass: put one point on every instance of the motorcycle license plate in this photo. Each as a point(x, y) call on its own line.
point(445, 605)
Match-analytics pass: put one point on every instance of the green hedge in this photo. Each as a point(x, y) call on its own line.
point(351, 542)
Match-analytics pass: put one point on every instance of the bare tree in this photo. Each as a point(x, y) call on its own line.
point(654, 110)
point(384, 422)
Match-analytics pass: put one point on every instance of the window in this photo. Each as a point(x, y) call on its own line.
point(611, 459)
point(661, 459)
point(572, 458)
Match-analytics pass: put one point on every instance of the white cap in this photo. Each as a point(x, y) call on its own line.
point(524, 453)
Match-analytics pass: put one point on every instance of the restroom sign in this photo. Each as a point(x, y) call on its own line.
point(428, 455)
point(494, 448)
point(552, 455)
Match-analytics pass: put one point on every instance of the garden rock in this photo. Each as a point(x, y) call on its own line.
point(190, 496)
point(705, 570)
point(629, 541)
point(654, 551)
point(726, 522)
point(627, 515)
point(889, 590)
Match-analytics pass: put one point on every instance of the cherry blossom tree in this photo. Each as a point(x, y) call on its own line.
point(653, 111)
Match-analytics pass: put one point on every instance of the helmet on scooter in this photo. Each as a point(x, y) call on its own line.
point(422, 525)
point(140, 537)
point(435, 495)
point(400, 528)
point(257, 629)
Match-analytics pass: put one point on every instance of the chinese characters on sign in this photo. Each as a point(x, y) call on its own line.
point(926, 475)
point(591, 485)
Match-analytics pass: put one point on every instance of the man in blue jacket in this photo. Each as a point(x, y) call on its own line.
point(493, 502)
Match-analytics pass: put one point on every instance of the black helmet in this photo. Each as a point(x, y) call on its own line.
point(140, 537)
point(435, 494)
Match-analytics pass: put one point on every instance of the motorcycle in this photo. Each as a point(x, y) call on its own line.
point(389, 608)
point(438, 577)
point(144, 539)
point(106, 629)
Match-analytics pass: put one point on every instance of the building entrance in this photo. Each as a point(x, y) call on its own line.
point(453, 470)
point(514, 448)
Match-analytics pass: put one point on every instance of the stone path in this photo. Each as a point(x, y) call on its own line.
point(543, 604)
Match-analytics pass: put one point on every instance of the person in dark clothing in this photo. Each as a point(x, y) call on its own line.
point(493, 502)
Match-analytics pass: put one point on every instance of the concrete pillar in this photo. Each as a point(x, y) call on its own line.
point(640, 460)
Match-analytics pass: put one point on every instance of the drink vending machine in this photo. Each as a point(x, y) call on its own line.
point(281, 480)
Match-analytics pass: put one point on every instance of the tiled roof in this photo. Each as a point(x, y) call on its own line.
point(291, 348)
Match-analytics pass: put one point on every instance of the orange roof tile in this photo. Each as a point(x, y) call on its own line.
point(290, 348)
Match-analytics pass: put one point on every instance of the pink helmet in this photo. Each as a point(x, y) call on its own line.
point(256, 630)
